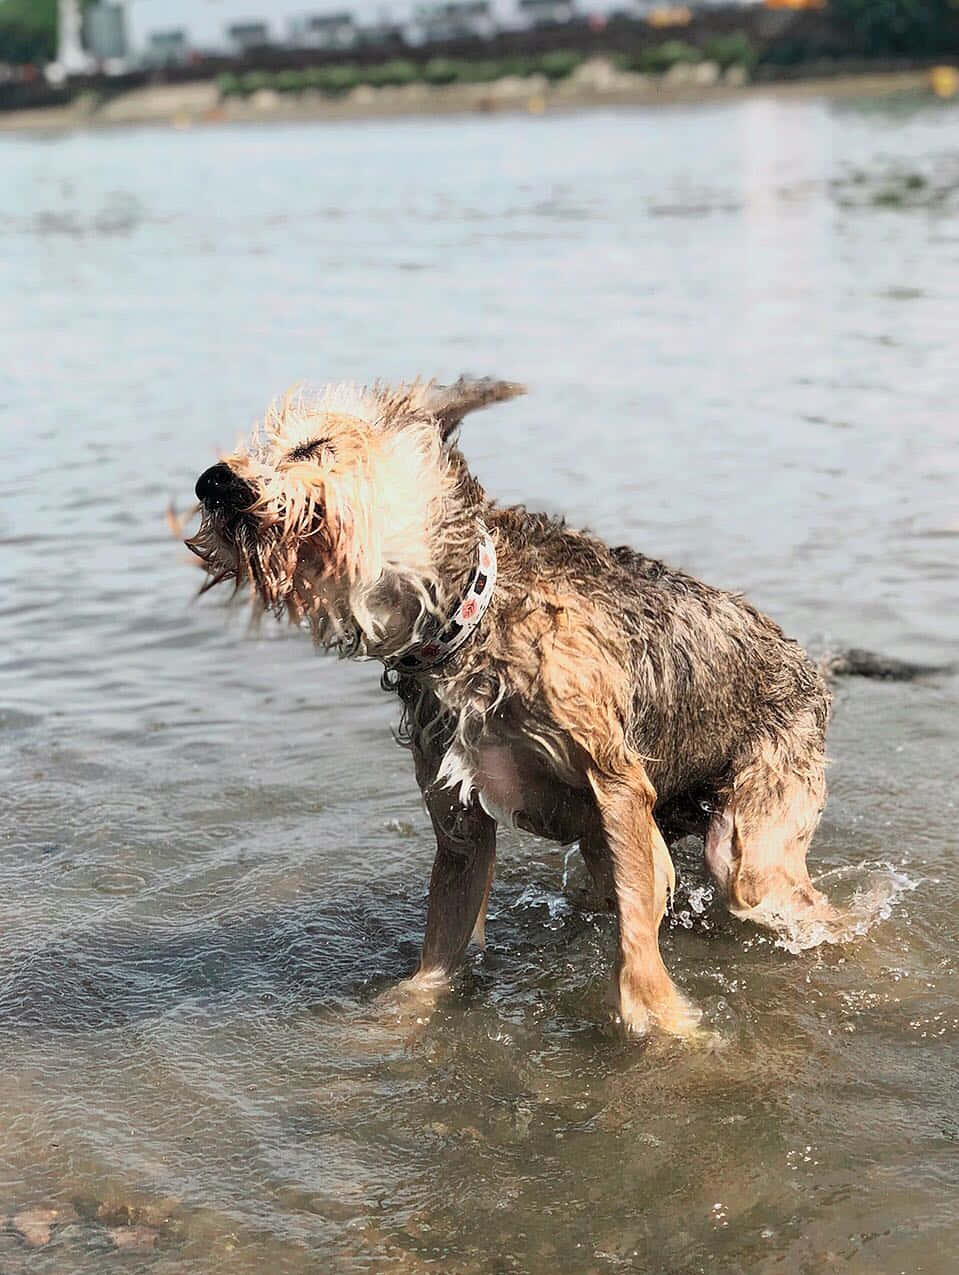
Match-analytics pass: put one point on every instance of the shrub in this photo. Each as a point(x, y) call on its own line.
point(28, 30)
point(332, 80)
point(229, 85)
point(484, 72)
point(731, 50)
point(335, 80)
point(790, 52)
point(518, 65)
point(661, 57)
point(896, 26)
point(556, 66)
point(390, 74)
point(441, 71)
point(253, 81)
point(289, 81)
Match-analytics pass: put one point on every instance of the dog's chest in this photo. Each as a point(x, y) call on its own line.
point(520, 769)
point(500, 782)
point(518, 789)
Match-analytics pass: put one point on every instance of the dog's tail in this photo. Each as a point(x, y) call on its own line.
point(858, 663)
point(450, 403)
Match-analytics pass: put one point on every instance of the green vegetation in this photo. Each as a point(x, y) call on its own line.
point(659, 58)
point(229, 85)
point(391, 74)
point(518, 65)
point(28, 30)
point(726, 50)
point(256, 80)
point(332, 80)
point(556, 66)
point(481, 72)
point(338, 79)
point(662, 57)
point(442, 71)
point(288, 82)
point(889, 27)
point(317, 78)
point(731, 50)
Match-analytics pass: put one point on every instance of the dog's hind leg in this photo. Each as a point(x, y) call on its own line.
point(594, 848)
point(643, 878)
point(756, 847)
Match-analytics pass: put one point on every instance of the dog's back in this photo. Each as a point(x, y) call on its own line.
point(713, 679)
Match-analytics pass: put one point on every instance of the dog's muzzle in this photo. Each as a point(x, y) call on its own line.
point(219, 488)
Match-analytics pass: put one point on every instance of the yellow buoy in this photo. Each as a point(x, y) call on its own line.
point(944, 81)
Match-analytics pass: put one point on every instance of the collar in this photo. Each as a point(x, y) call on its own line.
point(442, 638)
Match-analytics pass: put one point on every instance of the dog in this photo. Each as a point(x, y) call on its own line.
point(581, 692)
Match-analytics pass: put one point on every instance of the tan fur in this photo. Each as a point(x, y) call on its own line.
point(603, 697)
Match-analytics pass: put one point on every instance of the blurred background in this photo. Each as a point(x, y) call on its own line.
point(720, 246)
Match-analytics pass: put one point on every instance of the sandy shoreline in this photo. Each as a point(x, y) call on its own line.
point(189, 105)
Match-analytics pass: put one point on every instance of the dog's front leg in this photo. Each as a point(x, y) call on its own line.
point(643, 878)
point(459, 888)
point(459, 885)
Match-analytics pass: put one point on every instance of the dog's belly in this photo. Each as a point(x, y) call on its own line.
point(514, 789)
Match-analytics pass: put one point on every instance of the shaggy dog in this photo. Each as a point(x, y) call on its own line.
point(584, 693)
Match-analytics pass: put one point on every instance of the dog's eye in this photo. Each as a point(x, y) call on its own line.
point(306, 451)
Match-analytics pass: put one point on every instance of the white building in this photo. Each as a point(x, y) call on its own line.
point(180, 28)
point(454, 20)
point(323, 30)
point(204, 26)
point(546, 13)
point(104, 31)
point(230, 26)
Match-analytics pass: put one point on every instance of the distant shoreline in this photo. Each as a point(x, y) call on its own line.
point(197, 104)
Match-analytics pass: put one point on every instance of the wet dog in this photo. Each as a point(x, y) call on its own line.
point(581, 692)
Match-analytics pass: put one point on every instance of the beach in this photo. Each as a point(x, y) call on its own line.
point(597, 85)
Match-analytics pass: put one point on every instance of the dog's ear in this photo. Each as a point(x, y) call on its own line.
point(448, 404)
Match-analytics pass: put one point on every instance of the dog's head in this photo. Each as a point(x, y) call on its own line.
point(347, 508)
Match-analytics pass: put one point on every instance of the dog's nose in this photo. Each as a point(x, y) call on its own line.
point(219, 488)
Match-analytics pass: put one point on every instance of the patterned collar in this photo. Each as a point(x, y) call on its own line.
point(444, 637)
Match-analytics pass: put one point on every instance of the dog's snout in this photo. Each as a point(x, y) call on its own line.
point(219, 488)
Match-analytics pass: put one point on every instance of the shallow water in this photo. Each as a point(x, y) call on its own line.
point(741, 349)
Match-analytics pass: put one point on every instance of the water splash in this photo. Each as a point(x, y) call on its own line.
point(536, 896)
point(698, 900)
point(573, 850)
point(872, 890)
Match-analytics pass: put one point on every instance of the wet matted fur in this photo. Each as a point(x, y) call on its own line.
point(604, 698)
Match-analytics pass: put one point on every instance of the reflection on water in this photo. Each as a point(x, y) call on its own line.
point(212, 857)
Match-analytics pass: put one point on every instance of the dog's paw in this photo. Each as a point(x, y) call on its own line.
point(395, 1018)
point(670, 1012)
point(413, 1000)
